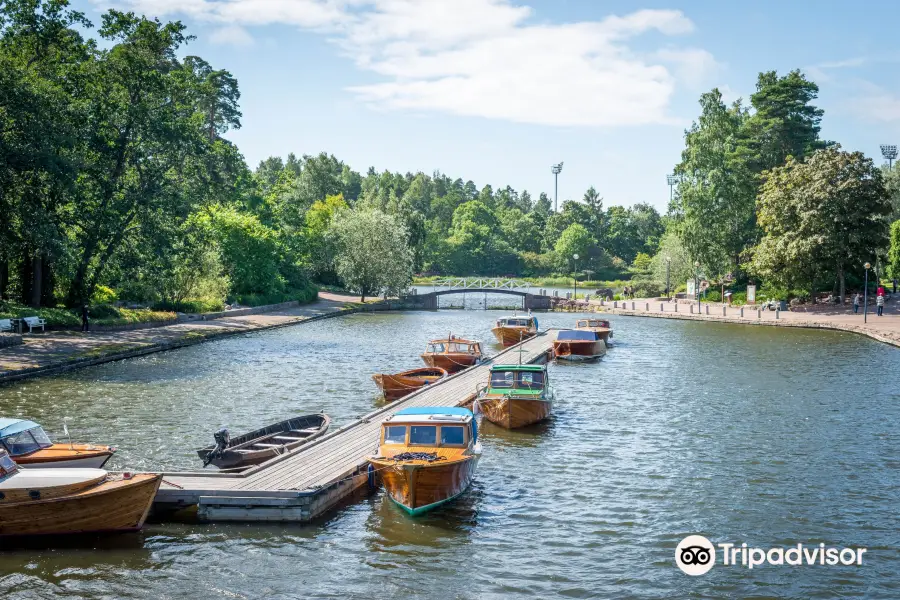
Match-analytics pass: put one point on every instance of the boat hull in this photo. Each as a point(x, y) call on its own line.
point(419, 488)
point(399, 385)
point(510, 336)
point(452, 363)
point(242, 453)
point(578, 350)
point(66, 456)
point(120, 505)
point(511, 412)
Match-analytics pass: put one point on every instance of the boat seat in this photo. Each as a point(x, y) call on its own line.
point(307, 431)
point(261, 445)
point(286, 438)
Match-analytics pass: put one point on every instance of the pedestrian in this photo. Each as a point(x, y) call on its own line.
point(895, 285)
point(85, 325)
point(856, 303)
point(879, 302)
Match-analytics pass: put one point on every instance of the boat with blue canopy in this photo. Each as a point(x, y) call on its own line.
point(29, 445)
point(427, 456)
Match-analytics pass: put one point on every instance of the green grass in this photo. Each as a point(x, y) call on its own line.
point(99, 315)
point(304, 296)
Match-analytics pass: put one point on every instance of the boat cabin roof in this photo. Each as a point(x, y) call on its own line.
point(453, 340)
point(13, 426)
point(518, 368)
point(577, 335)
point(431, 414)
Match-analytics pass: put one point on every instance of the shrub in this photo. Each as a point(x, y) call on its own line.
point(104, 295)
point(195, 306)
point(303, 295)
point(647, 288)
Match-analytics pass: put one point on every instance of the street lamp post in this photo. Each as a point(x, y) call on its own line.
point(556, 170)
point(672, 181)
point(697, 283)
point(866, 294)
point(668, 289)
point(575, 275)
point(889, 152)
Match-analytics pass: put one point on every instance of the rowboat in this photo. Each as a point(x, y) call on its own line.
point(452, 354)
point(28, 444)
point(509, 331)
point(515, 396)
point(578, 344)
point(400, 384)
point(427, 456)
point(601, 326)
point(260, 445)
point(65, 501)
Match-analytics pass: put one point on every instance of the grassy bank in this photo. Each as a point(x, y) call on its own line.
point(99, 315)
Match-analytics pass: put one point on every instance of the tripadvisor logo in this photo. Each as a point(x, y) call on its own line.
point(696, 555)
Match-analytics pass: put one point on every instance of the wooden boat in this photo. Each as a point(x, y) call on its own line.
point(578, 344)
point(65, 501)
point(260, 445)
point(515, 396)
point(509, 331)
point(400, 384)
point(452, 354)
point(29, 445)
point(601, 326)
point(427, 456)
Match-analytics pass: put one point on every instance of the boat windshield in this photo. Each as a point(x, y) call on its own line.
point(26, 442)
point(515, 322)
point(395, 434)
point(452, 435)
point(432, 348)
point(529, 380)
point(457, 347)
point(423, 435)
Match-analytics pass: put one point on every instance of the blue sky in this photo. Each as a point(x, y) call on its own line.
point(498, 90)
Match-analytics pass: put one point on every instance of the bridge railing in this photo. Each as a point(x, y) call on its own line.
point(481, 283)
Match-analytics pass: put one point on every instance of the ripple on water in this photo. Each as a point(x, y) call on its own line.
point(762, 435)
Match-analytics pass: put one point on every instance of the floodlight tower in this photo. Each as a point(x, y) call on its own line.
point(889, 152)
point(672, 179)
point(556, 170)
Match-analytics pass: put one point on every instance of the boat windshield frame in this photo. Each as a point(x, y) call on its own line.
point(517, 380)
point(588, 323)
point(516, 322)
point(8, 466)
point(37, 435)
point(466, 426)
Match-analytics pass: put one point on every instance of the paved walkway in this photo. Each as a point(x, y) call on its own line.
point(885, 328)
point(57, 349)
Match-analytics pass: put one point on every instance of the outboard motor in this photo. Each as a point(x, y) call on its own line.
point(222, 438)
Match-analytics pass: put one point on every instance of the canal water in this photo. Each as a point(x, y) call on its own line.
point(767, 436)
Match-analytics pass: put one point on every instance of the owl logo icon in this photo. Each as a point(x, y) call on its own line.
point(695, 555)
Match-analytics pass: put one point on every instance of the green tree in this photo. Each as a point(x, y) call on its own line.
point(576, 239)
point(894, 252)
point(821, 217)
point(373, 255)
point(249, 251)
point(672, 259)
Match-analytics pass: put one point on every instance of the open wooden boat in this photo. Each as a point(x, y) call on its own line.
point(29, 445)
point(601, 326)
point(64, 501)
point(400, 384)
point(515, 396)
point(262, 444)
point(427, 456)
point(452, 354)
point(578, 344)
point(509, 331)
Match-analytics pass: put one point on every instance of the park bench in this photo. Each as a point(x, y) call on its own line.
point(6, 325)
point(33, 322)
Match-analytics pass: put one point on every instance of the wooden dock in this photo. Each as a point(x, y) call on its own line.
point(304, 484)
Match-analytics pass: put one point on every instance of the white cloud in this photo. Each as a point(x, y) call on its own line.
point(873, 103)
point(484, 58)
point(232, 35)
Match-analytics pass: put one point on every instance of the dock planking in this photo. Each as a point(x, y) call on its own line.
point(304, 484)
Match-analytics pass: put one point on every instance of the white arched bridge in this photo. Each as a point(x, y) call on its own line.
point(532, 298)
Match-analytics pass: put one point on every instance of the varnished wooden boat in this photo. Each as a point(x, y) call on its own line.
point(578, 344)
point(262, 444)
point(427, 456)
point(509, 331)
point(601, 326)
point(452, 354)
point(515, 396)
point(400, 384)
point(66, 501)
point(29, 445)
